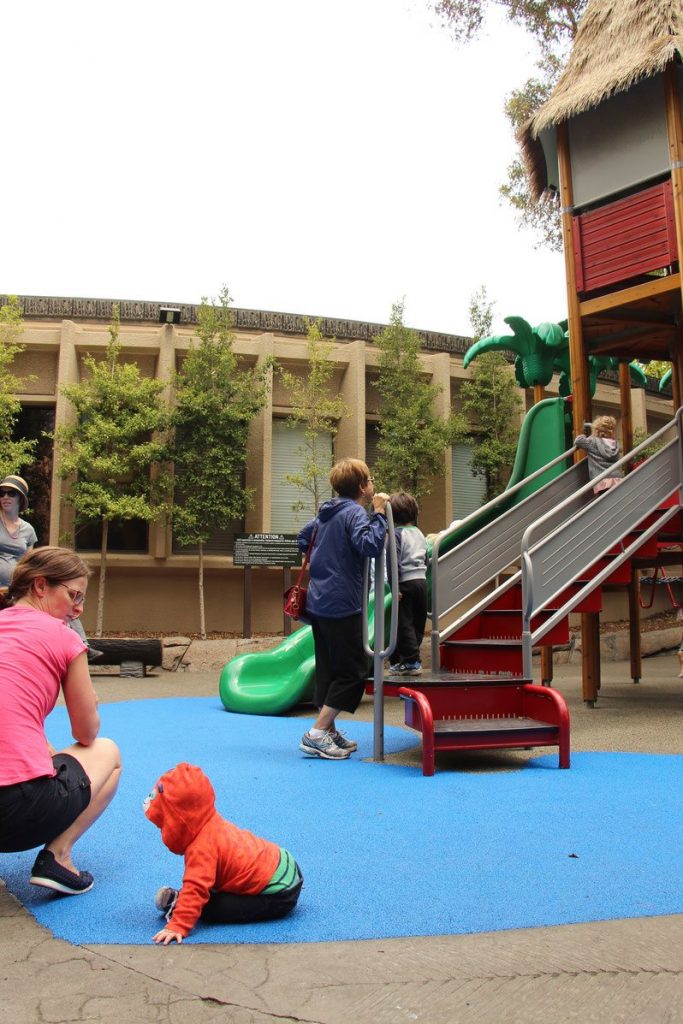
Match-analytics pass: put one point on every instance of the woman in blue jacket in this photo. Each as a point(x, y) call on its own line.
point(343, 536)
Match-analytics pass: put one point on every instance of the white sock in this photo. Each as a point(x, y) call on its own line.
point(317, 733)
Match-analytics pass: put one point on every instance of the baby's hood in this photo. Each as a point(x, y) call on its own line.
point(180, 805)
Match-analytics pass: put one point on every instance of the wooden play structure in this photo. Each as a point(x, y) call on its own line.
point(609, 142)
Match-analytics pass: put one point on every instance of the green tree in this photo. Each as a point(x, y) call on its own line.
point(215, 402)
point(114, 449)
point(491, 403)
point(14, 454)
point(319, 411)
point(412, 437)
point(552, 25)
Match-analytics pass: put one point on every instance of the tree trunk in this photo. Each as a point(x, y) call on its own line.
point(103, 577)
point(202, 613)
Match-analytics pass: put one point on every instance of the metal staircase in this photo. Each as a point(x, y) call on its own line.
point(511, 586)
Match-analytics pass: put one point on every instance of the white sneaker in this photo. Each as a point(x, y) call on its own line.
point(322, 746)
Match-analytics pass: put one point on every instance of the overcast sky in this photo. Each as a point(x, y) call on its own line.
point(318, 157)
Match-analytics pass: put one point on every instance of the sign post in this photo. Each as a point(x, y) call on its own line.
point(264, 549)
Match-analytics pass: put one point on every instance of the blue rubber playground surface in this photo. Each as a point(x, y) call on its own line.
point(384, 851)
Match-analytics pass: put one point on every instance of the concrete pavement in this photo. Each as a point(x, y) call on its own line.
point(611, 972)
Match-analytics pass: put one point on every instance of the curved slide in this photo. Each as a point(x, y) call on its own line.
point(270, 682)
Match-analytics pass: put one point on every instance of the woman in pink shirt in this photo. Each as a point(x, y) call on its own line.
point(49, 798)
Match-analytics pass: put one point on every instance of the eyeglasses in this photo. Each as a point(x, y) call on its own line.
point(8, 494)
point(371, 480)
point(77, 596)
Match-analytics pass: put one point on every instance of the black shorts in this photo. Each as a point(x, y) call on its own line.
point(32, 813)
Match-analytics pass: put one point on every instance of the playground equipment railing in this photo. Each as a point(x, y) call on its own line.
point(562, 544)
point(470, 567)
point(377, 650)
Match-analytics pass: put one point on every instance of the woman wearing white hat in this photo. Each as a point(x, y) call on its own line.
point(16, 535)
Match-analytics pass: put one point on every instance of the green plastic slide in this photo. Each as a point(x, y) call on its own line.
point(270, 682)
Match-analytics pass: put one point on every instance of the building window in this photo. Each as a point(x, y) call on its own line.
point(469, 490)
point(34, 422)
point(130, 536)
point(289, 455)
point(220, 542)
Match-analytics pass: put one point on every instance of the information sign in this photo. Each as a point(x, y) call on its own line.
point(279, 549)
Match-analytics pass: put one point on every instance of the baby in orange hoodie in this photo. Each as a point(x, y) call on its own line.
point(231, 876)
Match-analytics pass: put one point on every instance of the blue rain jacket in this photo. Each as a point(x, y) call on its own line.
point(346, 535)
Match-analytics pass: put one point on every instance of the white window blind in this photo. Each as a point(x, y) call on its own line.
point(469, 491)
point(288, 457)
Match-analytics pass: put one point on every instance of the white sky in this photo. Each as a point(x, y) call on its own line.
point(318, 157)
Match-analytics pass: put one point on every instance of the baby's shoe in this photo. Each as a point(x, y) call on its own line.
point(165, 900)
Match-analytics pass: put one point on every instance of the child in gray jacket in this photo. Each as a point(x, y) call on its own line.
point(603, 451)
point(411, 548)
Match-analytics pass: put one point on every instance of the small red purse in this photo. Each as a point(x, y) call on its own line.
point(295, 597)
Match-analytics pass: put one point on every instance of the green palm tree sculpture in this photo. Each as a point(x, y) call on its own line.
point(665, 380)
point(535, 349)
point(596, 365)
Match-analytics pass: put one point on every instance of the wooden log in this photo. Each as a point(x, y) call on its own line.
point(116, 650)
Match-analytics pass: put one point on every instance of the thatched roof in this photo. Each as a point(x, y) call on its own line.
point(617, 43)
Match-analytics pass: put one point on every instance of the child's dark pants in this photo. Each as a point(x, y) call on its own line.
point(234, 908)
point(412, 616)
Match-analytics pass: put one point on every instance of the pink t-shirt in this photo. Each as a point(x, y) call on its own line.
point(35, 653)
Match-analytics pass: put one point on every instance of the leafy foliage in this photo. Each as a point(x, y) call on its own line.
point(114, 448)
point(216, 400)
point(412, 437)
point(552, 25)
point(319, 412)
point(13, 454)
point(491, 402)
point(215, 403)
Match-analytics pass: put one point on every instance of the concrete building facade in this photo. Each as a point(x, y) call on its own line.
point(152, 583)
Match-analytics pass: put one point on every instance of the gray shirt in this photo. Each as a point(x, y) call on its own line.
point(12, 548)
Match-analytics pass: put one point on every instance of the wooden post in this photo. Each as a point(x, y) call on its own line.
point(677, 376)
point(634, 626)
point(590, 621)
point(246, 611)
point(590, 656)
point(674, 124)
point(286, 584)
point(626, 408)
point(577, 354)
point(539, 393)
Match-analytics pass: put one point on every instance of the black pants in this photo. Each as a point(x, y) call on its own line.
point(234, 908)
point(412, 616)
point(341, 664)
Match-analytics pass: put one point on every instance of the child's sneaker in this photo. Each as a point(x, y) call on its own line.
point(396, 669)
point(411, 668)
point(322, 746)
point(165, 901)
point(342, 741)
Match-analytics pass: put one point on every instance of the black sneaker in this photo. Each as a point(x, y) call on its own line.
point(51, 875)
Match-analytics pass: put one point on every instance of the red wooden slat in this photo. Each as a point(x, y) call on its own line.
point(625, 239)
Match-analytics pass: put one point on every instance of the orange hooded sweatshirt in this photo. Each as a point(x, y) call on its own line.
point(219, 856)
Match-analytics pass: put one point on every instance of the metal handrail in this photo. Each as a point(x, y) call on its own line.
point(623, 461)
point(499, 499)
point(531, 545)
point(439, 561)
point(379, 653)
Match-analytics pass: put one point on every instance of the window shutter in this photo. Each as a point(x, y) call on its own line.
point(287, 458)
point(469, 491)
